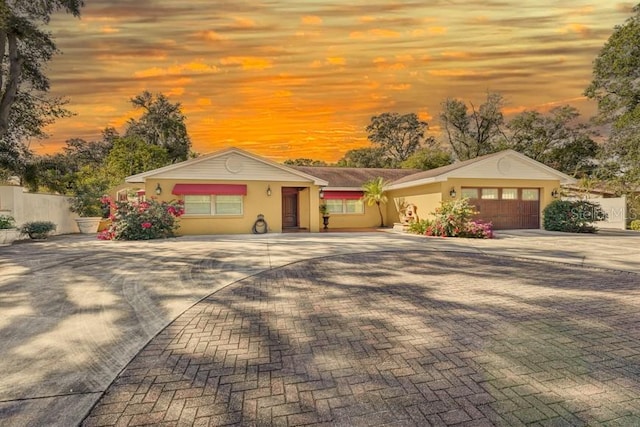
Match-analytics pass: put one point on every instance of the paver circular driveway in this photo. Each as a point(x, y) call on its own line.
point(388, 338)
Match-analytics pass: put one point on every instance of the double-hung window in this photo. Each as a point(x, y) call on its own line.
point(345, 206)
point(213, 205)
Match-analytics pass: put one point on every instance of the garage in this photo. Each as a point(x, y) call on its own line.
point(506, 208)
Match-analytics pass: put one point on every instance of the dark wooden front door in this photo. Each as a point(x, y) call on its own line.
point(290, 208)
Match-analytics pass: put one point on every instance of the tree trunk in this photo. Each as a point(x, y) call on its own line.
point(381, 217)
point(9, 95)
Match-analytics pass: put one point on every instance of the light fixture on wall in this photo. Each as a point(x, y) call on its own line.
point(269, 190)
point(554, 193)
point(452, 192)
point(321, 193)
point(158, 189)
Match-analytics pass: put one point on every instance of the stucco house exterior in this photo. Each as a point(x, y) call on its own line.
point(226, 191)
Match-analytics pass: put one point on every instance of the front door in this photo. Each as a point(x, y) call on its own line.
point(290, 208)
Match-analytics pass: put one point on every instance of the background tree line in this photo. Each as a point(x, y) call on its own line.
point(557, 138)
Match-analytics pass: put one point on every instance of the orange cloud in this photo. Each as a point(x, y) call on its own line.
point(437, 30)
point(241, 22)
point(456, 55)
point(336, 60)
point(311, 20)
point(580, 29)
point(424, 116)
point(247, 62)
point(453, 73)
point(209, 35)
point(399, 86)
point(191, 67)
point(375, 33)
point(108, 30)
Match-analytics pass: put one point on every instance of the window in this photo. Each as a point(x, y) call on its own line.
point(345, 206)
point(469, 193)
point(509, 194)
point(197, 205)
point(490, 193)
point(530, 194)
point(213, 205)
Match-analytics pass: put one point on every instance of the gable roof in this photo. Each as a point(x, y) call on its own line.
point(225, 164)
point(343, 178)
point(507, 164)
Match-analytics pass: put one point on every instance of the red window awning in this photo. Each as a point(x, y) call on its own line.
point(206, 189)
point(348, 195)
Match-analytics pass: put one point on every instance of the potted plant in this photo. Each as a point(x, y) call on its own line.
point(38, 230)
point(8, 230)
point(324, 211)
point(87, 201)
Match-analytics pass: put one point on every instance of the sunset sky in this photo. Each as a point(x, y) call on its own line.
point(302, 78)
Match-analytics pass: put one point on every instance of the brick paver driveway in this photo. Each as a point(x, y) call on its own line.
point(388, 338)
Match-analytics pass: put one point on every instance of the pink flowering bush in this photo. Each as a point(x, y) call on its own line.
point(144, 220)
point(454, 218)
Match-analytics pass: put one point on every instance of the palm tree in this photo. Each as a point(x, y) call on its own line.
point(374, 194)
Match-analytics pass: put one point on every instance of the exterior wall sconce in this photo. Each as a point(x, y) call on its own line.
point(158, 189)
point(554, 193)
point(452, 192)
point(321, 193)
point(269, 190)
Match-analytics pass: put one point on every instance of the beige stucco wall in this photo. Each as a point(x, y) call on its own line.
point(426, 198)
point(369, 219)
point(255, 202)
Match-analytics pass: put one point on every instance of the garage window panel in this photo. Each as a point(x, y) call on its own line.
point(530, 194)
point(489, 194)
point(509, 194)
point(469, 193)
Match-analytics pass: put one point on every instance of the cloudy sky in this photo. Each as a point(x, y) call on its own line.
point(302, 78)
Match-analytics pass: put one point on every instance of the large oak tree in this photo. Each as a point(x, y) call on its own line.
point(25, 48)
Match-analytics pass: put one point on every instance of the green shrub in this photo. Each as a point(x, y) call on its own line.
point(419, 227)
point(143, 220)
point(635, 225)
point(38, 229)
point(454, 218)
point(7, 222)
point(572, 216)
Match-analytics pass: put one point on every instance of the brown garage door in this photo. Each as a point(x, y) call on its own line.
point(506, 208)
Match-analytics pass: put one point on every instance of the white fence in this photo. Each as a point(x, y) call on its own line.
point(25, 207)
point(616, 210)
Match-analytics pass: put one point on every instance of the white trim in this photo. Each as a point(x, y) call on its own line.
point(564, 179)
point(141, 177)
point(424, 181)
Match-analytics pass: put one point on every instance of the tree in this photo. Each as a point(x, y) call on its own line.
point(428, 158)
point(368, 157)
point(616, 72)
point(476, 133)
point(58, 172)
point(398, 135)
point(161, 124)
point(555, 139)
point(24, 50)
point(130, 156)
point(304, 162)
point(374, 193)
